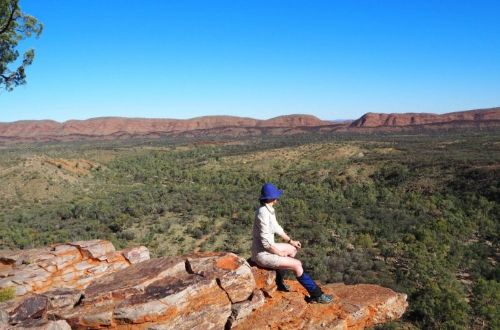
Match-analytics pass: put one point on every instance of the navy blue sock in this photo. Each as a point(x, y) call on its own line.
point(309, 284)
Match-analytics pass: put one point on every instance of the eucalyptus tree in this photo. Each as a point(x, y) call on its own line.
point(15, 25)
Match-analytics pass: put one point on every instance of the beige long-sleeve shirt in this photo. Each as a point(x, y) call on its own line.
point(264, 227)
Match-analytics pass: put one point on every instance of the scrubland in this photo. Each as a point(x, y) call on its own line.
point(418, 212)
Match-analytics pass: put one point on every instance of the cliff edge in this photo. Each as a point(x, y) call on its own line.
point(90, 285)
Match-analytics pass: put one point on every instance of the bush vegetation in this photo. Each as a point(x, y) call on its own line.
point(7, 293)
point(418, 213)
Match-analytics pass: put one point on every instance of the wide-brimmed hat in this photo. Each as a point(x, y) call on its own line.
point(269, 191)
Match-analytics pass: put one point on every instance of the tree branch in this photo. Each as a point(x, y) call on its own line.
point(11, 18)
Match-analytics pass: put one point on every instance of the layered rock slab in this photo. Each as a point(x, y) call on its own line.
point(355, 307)
point(196, 291)
point(71, 265)
point(190, 292)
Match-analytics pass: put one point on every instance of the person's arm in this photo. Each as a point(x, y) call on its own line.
point(289, 240)
point(279, 230)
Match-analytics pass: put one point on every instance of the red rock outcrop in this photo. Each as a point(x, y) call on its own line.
point(115, 127)
point(356, 307)
point(71, 265)
point(107, 128)
point(196, 291)
point(379, 120)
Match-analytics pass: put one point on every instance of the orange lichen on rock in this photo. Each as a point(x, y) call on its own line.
point(354, 307)
point(229, 262)
point(265, 279)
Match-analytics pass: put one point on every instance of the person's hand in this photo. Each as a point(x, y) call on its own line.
point(296, 244)
point(283, 254)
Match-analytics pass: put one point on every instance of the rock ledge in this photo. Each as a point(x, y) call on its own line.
point(89, 285)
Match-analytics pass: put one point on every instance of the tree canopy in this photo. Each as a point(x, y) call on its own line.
point(15, 25)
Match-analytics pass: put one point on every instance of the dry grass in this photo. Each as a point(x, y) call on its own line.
point(386, 151)
point(282, 158)
point(41, 178)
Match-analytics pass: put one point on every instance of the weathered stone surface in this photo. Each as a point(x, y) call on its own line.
point(368, 304)
point(4, 319)
point(132, 280)
point(238, 282)
point(242, 310)
point(63, 298)
point(90, 317)
point(355, 307)
point(265, 279)
point(40, 324)
point(136, 254)
point(95, 249)
point(170, 298)
point(72, 265)
point(232, 272)
point(163, 293)
point(5, 270)
point(33, 307)
point(88, 285)
point(26, 257)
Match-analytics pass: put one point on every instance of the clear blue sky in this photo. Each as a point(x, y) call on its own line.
point(258, 58)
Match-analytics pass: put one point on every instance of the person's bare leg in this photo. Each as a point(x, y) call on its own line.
point(291, 264)
point(290, 250)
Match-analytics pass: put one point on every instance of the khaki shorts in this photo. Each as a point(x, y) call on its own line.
point(268, 260)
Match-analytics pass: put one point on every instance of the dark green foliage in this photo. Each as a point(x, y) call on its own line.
point(485, 304)
point(417, 213)
point(14, 27)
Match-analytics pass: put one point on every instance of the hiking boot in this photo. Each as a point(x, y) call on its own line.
point(321, 299)
point(283, 287)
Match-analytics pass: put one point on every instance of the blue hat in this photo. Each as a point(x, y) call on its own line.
point(269, 191)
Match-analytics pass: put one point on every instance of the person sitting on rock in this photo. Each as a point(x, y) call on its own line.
point(279, 256)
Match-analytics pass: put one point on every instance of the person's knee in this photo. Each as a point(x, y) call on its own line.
point(298, 270)
point(293, 251)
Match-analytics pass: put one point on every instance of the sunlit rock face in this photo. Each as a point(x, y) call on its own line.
point(485, 117)
point(71, 265)
point(127, 290)
point(121, 127)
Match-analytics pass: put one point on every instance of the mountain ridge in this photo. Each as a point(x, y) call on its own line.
point(103, 128)
point(371, 119)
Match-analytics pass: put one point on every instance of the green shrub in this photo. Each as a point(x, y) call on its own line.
point(7, 293)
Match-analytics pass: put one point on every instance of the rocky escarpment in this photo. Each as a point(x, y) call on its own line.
point(119, 127)
point(112, 128)
point(195, 291)
point(480, 118)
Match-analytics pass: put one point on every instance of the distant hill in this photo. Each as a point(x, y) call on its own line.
point(472, 118)
point(123, 128)
point(119, 127)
